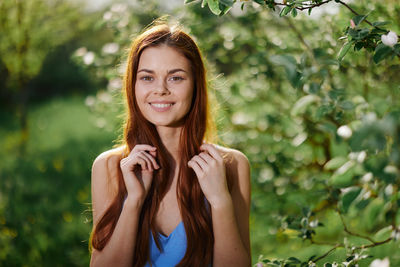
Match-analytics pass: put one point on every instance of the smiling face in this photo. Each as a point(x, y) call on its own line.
point(164, 86)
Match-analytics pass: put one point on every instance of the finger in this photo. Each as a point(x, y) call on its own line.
point(196, 168)
point(212, 150)
point(152, 161)
point(201, 162)
point(143, 147)
point(206, 157)
point(132, 161)
point(147, 164)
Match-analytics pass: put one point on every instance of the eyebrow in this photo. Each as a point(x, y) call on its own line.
point(169, 72)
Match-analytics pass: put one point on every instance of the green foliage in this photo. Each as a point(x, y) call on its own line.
point(322, 134)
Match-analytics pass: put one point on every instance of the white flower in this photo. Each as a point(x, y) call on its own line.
point(259, 264)
point(80, 52)
point(380, 263)
point(389, 39)
point(107, 15)
point(110, 48)
point(90, 101)
point(344, 131)
point(88, 58)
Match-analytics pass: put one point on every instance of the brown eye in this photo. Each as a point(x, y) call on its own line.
point(146, 78)
point(176, 78)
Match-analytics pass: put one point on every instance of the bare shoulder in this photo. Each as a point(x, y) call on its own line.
point(108, 158)
point(233, 157)
point(237, 168)
point(104, 179)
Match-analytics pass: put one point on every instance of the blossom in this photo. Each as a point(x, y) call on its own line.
point(344, 131)
point(88, 58)
point(389, 39)
point(110, 48)
point(259, 264)
point(380, 263)
point(352, 24)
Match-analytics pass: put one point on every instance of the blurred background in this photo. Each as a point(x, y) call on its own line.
point(284, 100)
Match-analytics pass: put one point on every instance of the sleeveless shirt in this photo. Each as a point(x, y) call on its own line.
point(173, 248)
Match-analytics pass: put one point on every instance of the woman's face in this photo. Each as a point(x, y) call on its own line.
point(164, 86)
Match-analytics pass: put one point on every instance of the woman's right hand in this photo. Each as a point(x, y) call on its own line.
point(138, 178)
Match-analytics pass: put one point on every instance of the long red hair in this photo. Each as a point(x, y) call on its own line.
point(198, 126)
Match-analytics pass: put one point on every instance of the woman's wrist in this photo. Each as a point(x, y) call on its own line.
point(133, 202)
point(222, 202)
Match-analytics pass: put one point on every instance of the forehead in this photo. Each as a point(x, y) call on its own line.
point(163, 57)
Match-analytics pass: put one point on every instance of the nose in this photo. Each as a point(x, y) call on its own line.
point(161, 88)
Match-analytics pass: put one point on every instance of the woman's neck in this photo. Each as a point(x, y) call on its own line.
point(170, 138)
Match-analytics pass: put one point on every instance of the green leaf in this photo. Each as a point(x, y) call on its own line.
point(343, 51)
point(290, 65)
point(188, 1)
point(343, 178)
point(382, 51)
point(373, 213)
point(335, 163)
point(349, 197)
point(285, 11)
point(380, 23)
point(359, 18)
point(294, 260)
point(346, 105)
point(260, 2)
point(213, 5)
point(228, 3)
point(309, 11)
point(301, 105)
point(294, 12)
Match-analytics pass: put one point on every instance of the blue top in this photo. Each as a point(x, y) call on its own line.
point(173, 248)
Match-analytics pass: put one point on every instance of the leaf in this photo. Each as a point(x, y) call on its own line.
point(381, 51)
point(260, 2)
point(294, 260)
point(359, 18)
point(309, 11)
point(188, 1)
point(335, 163)
point(301, 105)
point(346, 105)
point(343, 51)
point(285, 11)
point(290, 65)
point(372, 213)
point(294, 12)
point(228, 3)
point(349, 197)
point(343, 177)
point(380, 23)
point(213, 5)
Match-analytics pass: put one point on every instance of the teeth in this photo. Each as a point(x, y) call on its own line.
point(161, 105)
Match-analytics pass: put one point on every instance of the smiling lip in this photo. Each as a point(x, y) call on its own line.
point(161, 106)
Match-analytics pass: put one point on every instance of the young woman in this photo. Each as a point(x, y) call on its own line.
point(167, 197)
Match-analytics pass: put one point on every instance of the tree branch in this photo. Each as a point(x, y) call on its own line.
point(346, 229)
point(328, 252)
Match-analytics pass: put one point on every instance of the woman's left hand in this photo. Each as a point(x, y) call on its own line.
point(209, 167)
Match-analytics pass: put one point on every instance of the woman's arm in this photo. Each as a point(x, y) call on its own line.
point(120, 247)
point(230, 211)
point(231, 218)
